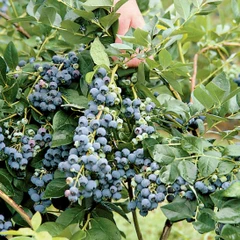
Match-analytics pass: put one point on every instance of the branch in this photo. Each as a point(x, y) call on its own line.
point(16, 207)
point(194, 76)
point(16, 25)
point(135, 220)
point(166, 230)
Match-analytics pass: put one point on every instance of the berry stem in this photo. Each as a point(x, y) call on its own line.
point(87, 222)
point(166, 230)
point(18, 209)
point(9, 117)
point(134, 215)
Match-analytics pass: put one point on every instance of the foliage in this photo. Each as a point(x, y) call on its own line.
point(83, 136)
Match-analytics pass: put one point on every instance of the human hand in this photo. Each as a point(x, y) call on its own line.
point(130, 16)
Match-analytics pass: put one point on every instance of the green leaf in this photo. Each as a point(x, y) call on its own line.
point(168, 174)
point(3, 70)
point(233, 190)
point(55, 188)
point(203, 96)
point(188, 171)
point(5, 182)
point(113, 207)
point(103, 229)
point(52, 227)
point(192, 144)
point(232, 150)
point(204, 222)
point(142, 37)
point(108, 20)
point(229, 215)
point(235, 4)
point(165, 58)
point(207, 164)
point(163, 154)
point(79, 235)
point(36, 221)
point(179, 209)
point(86, 63)
point(225, 167)
point(49, 16)
point(11, 56)
point(10, 93)
point(230, 232)
point(61, 119)
point(73, 97)
point(183, 8)
point(70, 216)
point(91, 5)
point(98, 53)
point(70, 26)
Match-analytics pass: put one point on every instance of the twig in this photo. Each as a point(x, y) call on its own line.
point(16, 207)
point(166, 230)
point(135, 219)
point(16, 25)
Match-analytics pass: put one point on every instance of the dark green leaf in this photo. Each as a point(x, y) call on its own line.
point(5, 182)
point(86, 63)
point(230, 232)
point(11, 56)
point(51, 227)
point(178, 210)
point(11, 92)
point(70, 26)
point(103, 229)
point(70, 216)
point(204, 222)
point(55, 188)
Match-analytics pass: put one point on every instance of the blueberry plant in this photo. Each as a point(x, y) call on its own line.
point(82, 136)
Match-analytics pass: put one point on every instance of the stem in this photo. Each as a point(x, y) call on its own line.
point(87, 222)
point(11, 116)
point(134, 215)
point(18, 209)
point(17, 26)
point(45, 42)
point(14, 9)
point(166, 230)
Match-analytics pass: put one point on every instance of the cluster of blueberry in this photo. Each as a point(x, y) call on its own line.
point(4, 225)
point(40, 179)
point(46, 95)
point(96, 168)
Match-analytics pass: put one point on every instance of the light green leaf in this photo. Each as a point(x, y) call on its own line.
point(183, 8)
point(230, 232)
point(36, 221)
point(192, 144)
point(207, 164)
point(49, 16)
point(165, 58)
point(91, 5)
point(188, 171)
point(163, 154)
point(233, 190)
point(98, 53)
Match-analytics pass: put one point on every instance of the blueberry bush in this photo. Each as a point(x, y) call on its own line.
point(82, 136)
